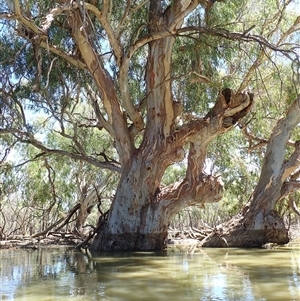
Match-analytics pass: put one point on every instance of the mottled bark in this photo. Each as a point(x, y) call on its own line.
point(142, 209)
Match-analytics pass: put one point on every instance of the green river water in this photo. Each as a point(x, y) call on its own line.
point(177, 274)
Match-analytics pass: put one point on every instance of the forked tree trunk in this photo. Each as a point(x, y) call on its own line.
point(259, 223)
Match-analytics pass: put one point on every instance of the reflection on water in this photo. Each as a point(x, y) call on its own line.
point(198, 274)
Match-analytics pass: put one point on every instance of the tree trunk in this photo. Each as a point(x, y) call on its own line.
point(136, 220)
point(259, 223)
point(142, 209)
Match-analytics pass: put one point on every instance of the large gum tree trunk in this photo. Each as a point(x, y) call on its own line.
point(142, 209)
point(259, 223)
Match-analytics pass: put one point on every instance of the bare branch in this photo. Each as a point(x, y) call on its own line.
point(63, 221)
point(109, 30)
point(254, 142)
point(35, 158)
point(25, 137)
point(237, 36)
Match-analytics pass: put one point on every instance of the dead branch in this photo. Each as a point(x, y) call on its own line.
point(63, 221)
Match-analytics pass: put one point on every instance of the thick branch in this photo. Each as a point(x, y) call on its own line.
point(106, 86)
point(171, 20)
point(24, 137)
point(75, 61)
point(293, 163)
point(114, 43)
point(274, 170)
point(204, 189)
point(134, 115)
point(197, 187)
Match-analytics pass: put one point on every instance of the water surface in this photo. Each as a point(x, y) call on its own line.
point(178, 274)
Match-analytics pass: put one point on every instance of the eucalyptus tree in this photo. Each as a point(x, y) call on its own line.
point(163, 79)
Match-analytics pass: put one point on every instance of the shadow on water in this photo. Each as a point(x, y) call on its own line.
point(177, 274)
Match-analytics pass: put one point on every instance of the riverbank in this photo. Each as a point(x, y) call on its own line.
point(180, 237)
